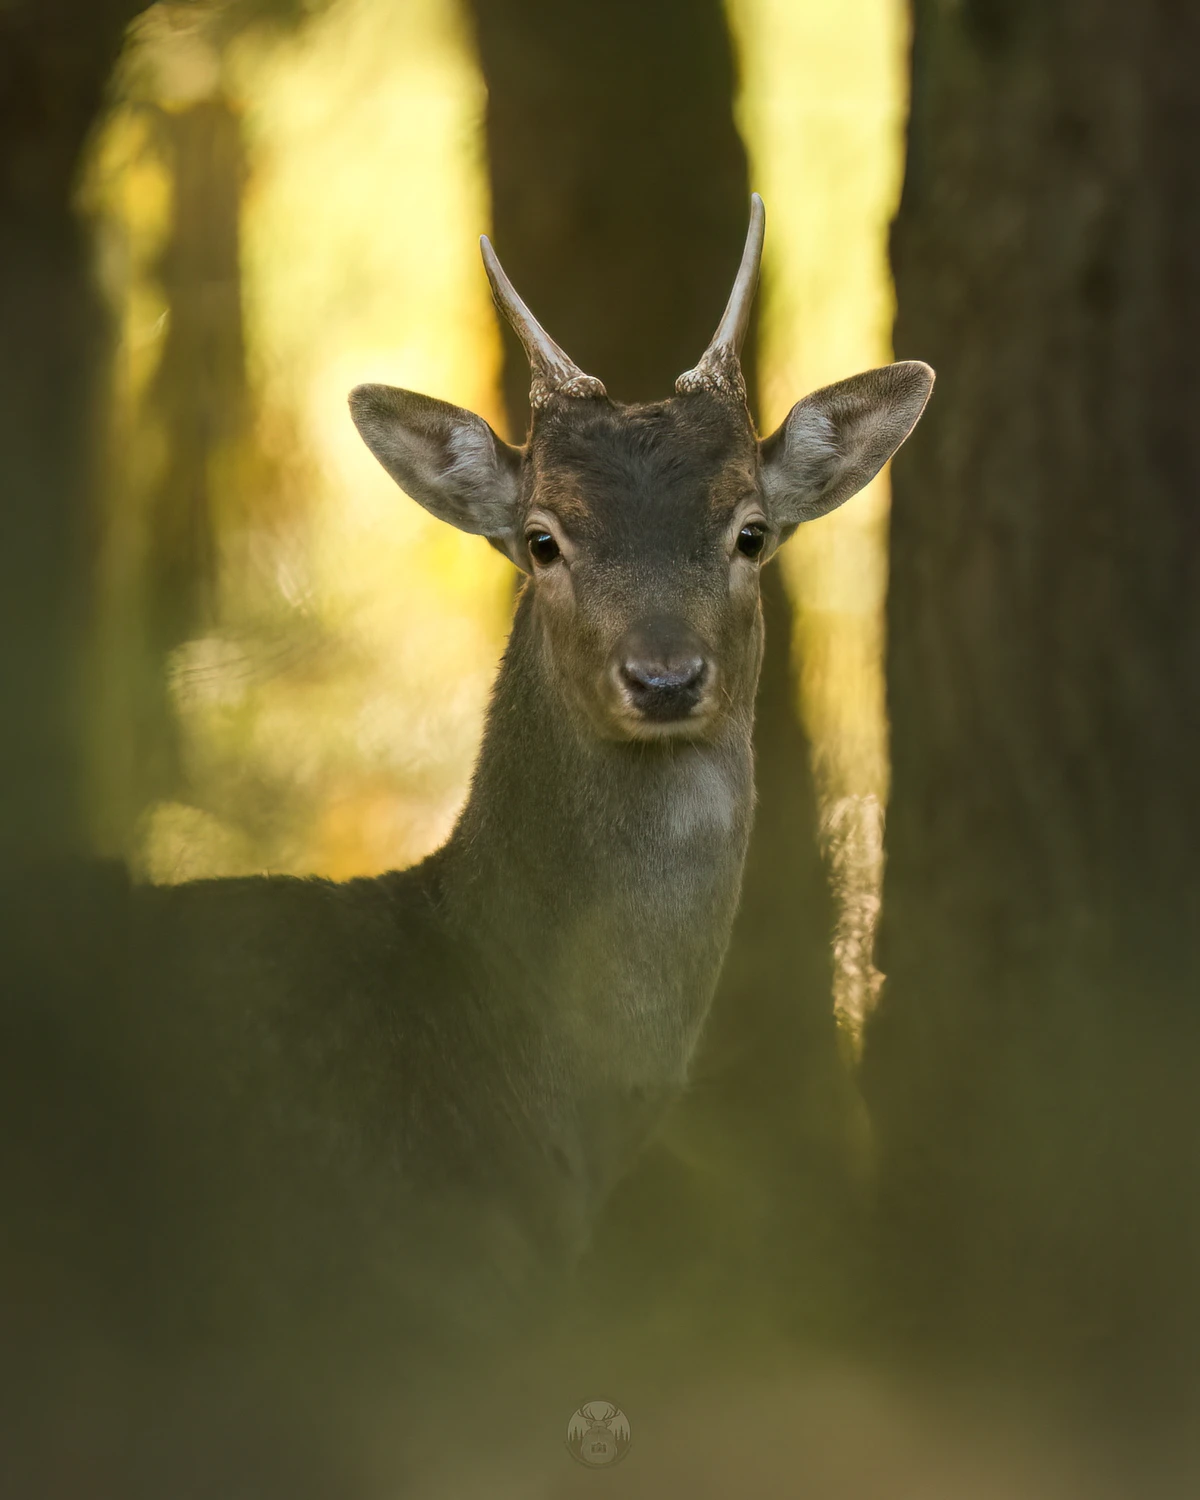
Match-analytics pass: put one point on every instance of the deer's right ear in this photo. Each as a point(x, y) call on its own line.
point(449, 460)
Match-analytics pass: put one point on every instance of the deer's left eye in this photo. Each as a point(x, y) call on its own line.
point(542, 547)
point(751, 540)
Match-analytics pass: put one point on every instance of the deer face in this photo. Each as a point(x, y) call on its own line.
point(643, 529)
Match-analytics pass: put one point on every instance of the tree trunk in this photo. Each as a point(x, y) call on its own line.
point(61, 959)
point(199, 397)
point(1033, 1068)
point(55, 58)
point(620, 200)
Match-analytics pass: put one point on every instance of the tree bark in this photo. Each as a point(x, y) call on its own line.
point(620, 202)
point(1032, 1069)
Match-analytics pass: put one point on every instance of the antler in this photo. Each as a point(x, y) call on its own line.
point(720, 368)
point(554, 373)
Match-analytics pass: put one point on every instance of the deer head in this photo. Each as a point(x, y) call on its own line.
point(643, 529)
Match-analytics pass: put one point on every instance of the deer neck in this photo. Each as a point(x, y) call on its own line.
point(597, 881)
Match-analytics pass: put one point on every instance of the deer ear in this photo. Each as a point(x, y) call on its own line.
point(449, 460)
point(834, 441)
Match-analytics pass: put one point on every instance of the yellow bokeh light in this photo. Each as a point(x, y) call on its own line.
point(345, 676)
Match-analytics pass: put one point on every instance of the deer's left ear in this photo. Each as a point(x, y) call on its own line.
point(834, 441)
point(449, 460)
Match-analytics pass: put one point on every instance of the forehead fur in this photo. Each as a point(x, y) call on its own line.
point(686, 450)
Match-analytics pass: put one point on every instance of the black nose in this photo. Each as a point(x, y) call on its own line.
point(664, 685)
point(654, 676)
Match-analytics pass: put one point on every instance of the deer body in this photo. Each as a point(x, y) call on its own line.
point(502, 1024)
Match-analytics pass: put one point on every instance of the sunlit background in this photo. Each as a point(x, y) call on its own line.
point(330, 645)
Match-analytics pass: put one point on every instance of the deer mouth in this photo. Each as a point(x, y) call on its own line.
point(695, 726)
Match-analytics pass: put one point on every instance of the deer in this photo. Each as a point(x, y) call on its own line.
point(463, 1057)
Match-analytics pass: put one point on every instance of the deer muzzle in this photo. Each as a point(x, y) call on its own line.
point(663, 673)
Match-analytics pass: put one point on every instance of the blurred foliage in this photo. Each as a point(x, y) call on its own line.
point(292, 661)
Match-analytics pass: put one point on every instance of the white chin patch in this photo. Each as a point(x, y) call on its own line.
point(700, 801)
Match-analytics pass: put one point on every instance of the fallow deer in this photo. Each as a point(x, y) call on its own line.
point(471, 1050)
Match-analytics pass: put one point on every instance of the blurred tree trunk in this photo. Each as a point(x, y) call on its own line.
point(200, 387)
point(55, 58)
point(1033, 1070)
point(199, 400)
point(620, 198)
point(60, 918)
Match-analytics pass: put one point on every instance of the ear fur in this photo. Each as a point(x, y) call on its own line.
point(449, 460)
point(836, 440)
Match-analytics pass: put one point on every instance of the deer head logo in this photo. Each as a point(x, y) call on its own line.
point(598, 1434)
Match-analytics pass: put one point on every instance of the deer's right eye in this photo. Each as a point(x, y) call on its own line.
point(542, 547)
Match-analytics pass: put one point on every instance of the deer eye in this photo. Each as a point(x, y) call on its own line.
point(751, 540)
point(542, 547)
